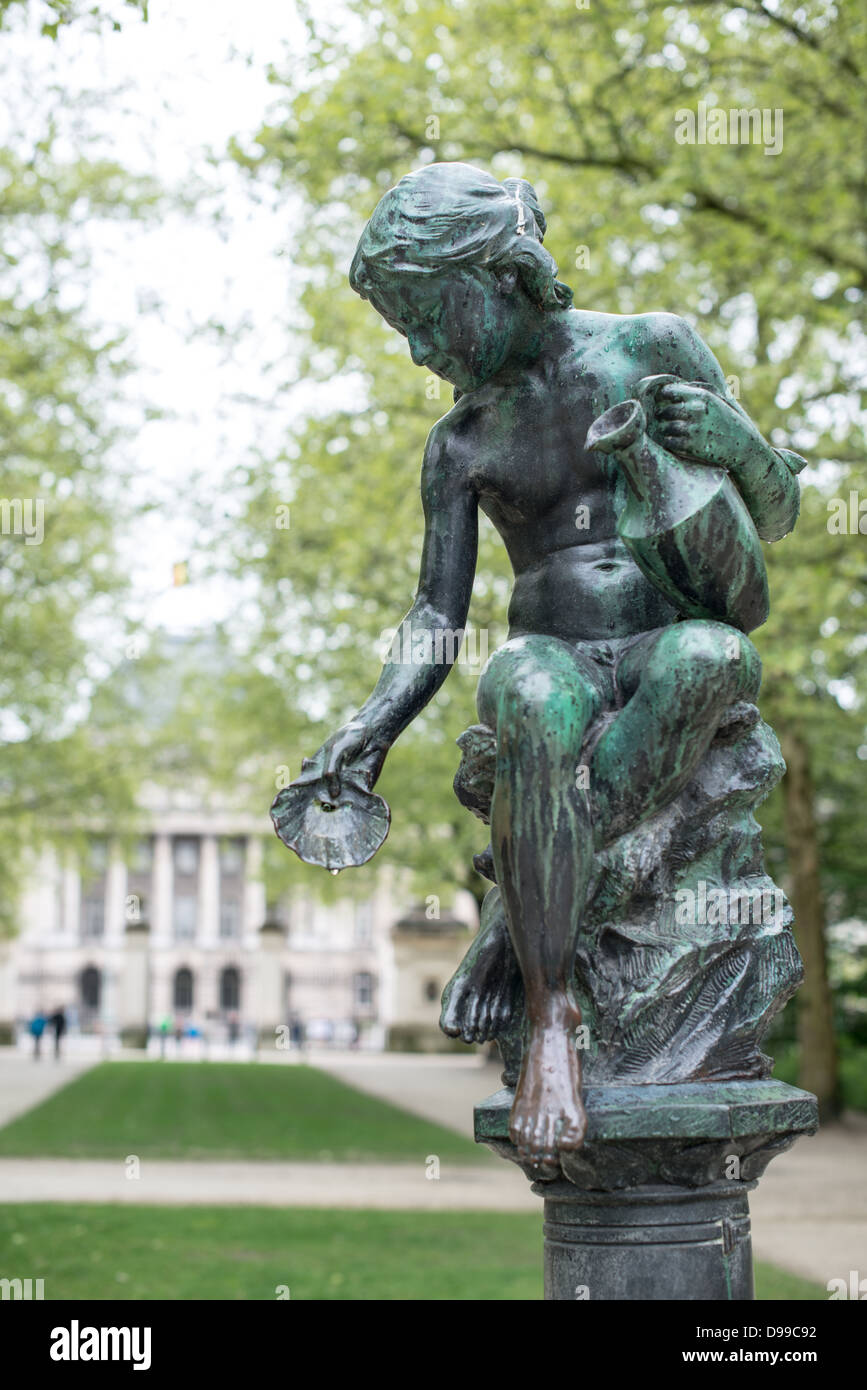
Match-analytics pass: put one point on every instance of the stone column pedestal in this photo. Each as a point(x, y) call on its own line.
point(652, 1243)
point(655, 1205)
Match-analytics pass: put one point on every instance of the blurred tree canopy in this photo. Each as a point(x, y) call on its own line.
point(69, 755)
point(54, 15)
point(763, 249)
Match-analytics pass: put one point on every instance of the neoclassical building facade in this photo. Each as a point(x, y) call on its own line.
point(171, 930)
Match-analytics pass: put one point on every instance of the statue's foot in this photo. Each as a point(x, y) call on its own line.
point(547, 1114)
point(479, 999)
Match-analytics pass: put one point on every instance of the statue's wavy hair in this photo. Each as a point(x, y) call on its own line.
point(451, 214)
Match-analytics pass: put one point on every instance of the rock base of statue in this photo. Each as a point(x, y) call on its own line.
point(685, 955)
point(655, 1204)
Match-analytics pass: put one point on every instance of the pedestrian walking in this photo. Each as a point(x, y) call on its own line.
point(37, 1028)
point(57, 1023)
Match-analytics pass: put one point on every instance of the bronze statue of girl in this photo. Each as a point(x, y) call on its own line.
point(647, 619)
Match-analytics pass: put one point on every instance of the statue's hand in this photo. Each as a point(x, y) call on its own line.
point(694, 422)
point(354, 754)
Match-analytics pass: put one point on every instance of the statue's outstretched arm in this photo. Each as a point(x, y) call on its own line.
point(427, 642)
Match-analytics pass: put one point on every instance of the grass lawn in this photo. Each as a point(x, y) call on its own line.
point(225, 1110)
point(108, 1252)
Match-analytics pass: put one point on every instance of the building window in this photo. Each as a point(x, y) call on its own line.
point(183, 990)
point(363, 924)
point(230, 989)
point(90, 986)
point(184, 915)
point(185, 905)
point(93, 913)
point(232, 856)
point(186, 856)
point(363, 989)
point(93, 873)
point(141, 856)
point(431, 991)
point(230, 918)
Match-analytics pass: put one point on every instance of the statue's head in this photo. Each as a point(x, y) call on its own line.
point(453, 259)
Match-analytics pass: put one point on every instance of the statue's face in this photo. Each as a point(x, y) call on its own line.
point(459, 323)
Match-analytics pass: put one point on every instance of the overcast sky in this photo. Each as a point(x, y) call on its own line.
point(192, 77)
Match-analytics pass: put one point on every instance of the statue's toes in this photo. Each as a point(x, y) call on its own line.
point(470, 1018)
point(483, 1024)
point(504, 1009)
point(451, 1016)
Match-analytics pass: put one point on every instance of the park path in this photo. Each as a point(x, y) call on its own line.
point(809, 1210)
point(442, 1087)
point(382, 1186)
point(25, 1082)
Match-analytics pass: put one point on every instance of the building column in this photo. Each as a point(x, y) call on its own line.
point(162, 888)
point(134, 1004)
point(206, 996)
point(42, 893)
point(265, 1007)
point(71, 902)
point(115, 897)
point(157, 1005)
point(208, 933)
point(255, 906)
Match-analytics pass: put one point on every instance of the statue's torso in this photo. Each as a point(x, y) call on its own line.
point(554, 503)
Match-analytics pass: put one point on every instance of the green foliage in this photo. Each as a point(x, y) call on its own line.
point(764, 253)
point(853, 1070)
point(67, 756)
point(814, 656)
point(58, 14)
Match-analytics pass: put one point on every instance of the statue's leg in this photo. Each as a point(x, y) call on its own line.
point(677, 683)
point(540, 695)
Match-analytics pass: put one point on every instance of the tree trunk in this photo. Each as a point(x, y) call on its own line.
point(818, 1071)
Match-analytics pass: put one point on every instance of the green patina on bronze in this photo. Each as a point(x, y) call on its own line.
point(619, 756)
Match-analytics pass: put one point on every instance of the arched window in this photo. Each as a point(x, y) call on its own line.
point(183, 993)
point(90, 985)
point(230, 988)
